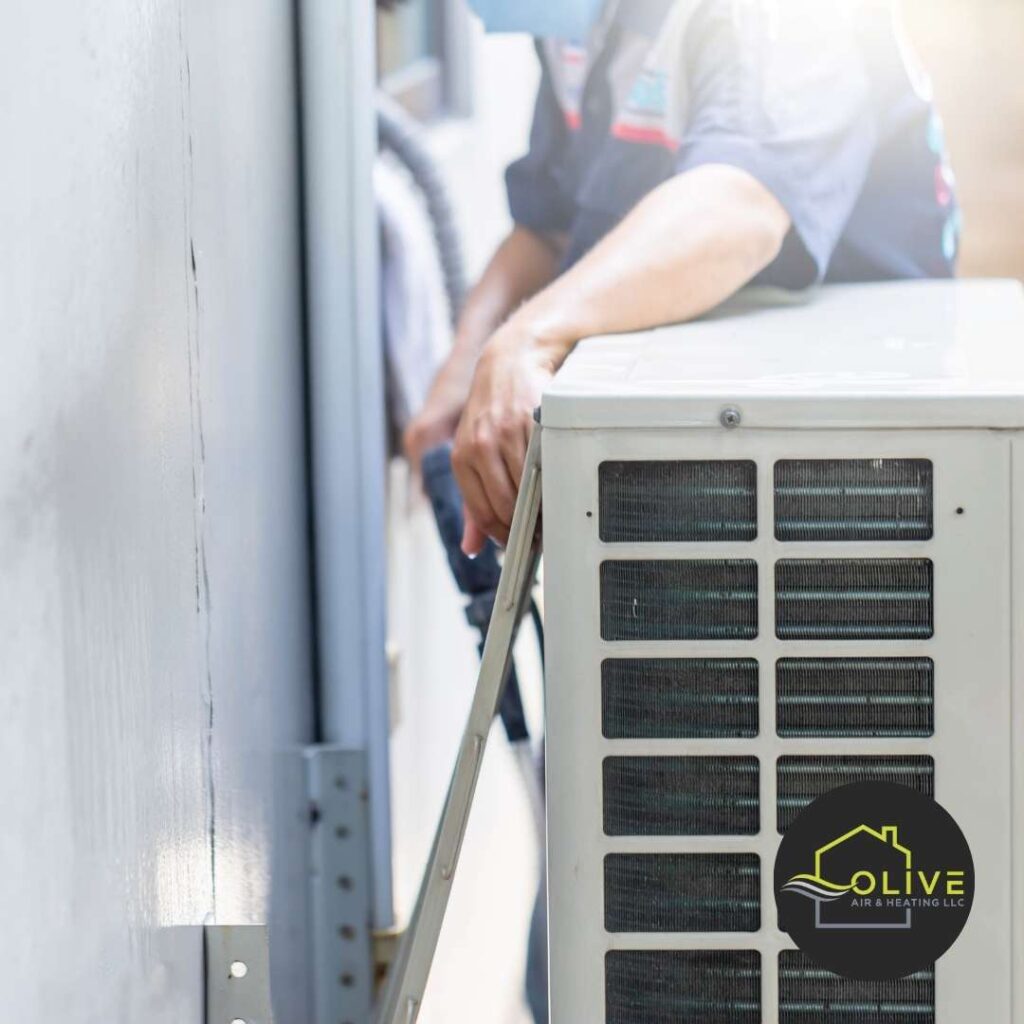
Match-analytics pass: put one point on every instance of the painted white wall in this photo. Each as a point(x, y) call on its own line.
point(479, 970)
point(154, 647)
point(154, 652)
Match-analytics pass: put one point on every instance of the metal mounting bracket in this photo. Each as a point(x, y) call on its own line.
point(340, 886)
point(237, 964)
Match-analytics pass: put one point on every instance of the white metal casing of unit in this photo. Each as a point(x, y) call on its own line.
point(932, 372)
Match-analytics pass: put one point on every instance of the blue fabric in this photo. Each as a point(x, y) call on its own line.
point(562, 19)
point(477, 577)
point(825, 115)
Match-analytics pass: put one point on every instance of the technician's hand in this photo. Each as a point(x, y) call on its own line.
point(435, 423)
point(494, 432)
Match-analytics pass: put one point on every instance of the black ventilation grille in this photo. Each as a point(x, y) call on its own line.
point(679, 600)
point(681, 796)
point(706, 987)
point(809, 995)
point(686, 892)
point(803, 779)
point(853, 499)
point(855, 697)
point(679, 698)
point(854, 599)
point(678, 501)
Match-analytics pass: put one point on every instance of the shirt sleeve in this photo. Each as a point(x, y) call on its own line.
point(536, 196)
point(781, 91)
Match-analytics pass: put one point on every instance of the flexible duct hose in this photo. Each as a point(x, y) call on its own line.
point(401, 135)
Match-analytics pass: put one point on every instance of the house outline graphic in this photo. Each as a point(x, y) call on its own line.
point(889, 836)
point(818, 888)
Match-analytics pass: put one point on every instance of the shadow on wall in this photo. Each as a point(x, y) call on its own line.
point(972, 49)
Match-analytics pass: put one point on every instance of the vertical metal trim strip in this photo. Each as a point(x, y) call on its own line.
point(346, 390)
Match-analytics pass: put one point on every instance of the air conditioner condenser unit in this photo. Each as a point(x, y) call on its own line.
point(783, 552)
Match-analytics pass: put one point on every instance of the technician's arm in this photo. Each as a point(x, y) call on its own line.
point(684, 249)
point(523, 264)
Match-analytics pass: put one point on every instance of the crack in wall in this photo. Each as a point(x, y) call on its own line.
point(200, 563)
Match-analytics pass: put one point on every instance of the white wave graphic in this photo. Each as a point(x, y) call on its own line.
point(815, 889)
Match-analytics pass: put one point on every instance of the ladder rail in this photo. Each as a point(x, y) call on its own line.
point(407, 982)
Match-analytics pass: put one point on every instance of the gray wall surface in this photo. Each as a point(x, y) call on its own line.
point(154, 584)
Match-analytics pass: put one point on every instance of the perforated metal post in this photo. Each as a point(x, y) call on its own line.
point(340, 886)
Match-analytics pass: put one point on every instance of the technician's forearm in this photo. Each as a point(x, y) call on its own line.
point(523, 264)
point(684, 249)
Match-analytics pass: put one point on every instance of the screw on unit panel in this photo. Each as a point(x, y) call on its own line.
point(730, 418)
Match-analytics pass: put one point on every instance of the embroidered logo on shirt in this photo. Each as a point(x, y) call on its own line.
point(653, 105)
point(645, 116)
point(647, 81)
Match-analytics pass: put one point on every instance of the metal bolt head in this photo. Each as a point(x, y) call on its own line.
point(730, 418)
